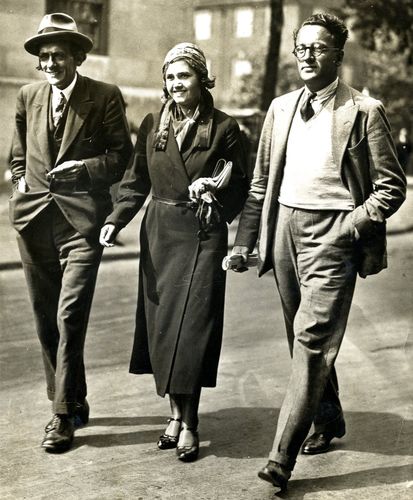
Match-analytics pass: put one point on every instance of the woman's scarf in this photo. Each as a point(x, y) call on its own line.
point(181, 127)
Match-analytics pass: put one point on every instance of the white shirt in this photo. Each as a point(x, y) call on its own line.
point(323, 95)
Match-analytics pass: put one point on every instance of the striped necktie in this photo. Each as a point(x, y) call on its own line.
point(58, 112)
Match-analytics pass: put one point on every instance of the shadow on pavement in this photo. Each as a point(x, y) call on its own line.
point(301, 488)
point(248, 433)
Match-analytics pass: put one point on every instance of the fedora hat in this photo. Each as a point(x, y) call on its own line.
point(57, 26)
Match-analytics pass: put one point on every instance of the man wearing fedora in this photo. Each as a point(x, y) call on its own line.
point(71, 143)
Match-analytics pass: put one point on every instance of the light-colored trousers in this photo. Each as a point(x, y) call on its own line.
point(315, 270)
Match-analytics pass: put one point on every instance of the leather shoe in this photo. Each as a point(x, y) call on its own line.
point(189, 453)
point(60, 436)
point(275, 474)
point(81, 416)
point(320, 442)
point(169, 441)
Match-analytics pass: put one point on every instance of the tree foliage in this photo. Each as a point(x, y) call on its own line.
point(382, 23)
point(385, 29)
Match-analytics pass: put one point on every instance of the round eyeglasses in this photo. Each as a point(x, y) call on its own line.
point(316, 50)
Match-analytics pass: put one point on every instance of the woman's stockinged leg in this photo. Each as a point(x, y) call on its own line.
point(174, 425)
point(190, 405)
point(188, 444)
point(169, 438)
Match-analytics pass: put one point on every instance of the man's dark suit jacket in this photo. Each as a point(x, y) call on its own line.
point(96, 132)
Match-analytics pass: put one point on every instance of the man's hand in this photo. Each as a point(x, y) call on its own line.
point(237, 261)
point(22, 185)
point(68, 170)
point(107, 235)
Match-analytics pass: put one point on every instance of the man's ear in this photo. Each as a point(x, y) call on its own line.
point(339, 58)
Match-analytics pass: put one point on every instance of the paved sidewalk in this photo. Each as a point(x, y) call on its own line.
point(128, 244)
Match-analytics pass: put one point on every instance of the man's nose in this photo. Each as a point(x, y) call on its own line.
point(50, 61)
point(308, 54)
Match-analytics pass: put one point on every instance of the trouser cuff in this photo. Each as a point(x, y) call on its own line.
point(282, 459)
point(64, 408)
point(336, 425)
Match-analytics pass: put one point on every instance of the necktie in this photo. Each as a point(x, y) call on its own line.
point(306, 110)
point(58, 112)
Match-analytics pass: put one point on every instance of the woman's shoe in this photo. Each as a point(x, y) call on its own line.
point(189, 453)
point(169, 441)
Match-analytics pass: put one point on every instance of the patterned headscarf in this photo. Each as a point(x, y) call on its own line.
point(194, 56)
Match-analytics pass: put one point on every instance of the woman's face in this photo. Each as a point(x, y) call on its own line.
point(182, 84)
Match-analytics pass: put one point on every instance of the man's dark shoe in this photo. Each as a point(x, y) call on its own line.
point(320, 442)
point(81, 416)
point(275, 474)
point(60, 436)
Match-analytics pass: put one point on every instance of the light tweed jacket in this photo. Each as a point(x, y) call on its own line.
point(364, 150)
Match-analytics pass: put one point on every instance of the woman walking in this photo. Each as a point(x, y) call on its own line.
point(190, 157)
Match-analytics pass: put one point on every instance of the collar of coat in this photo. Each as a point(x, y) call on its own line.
point(204, 123)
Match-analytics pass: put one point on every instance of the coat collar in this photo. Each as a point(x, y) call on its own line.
point(40, 120)
point(80, 104)
point(201, 139)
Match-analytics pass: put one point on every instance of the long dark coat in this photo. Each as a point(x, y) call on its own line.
point(179, 316)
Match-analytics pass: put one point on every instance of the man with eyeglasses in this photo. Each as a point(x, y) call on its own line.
point(71, 142)
point(325, 180)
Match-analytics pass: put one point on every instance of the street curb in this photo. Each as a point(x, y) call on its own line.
point(13, 265)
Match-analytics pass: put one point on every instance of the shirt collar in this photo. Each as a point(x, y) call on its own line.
point(67, 92)
point(326, 92)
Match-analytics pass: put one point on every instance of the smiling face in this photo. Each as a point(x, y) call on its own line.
point(58, 64)
point(182, 84)
point(318, 72)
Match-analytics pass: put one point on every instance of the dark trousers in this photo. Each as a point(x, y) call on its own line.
point(314, 263)
point(60, 266)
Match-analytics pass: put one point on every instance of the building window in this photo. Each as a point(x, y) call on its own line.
point(244, 22)
point(242, 67)
point(91, 17)
point(202, 22)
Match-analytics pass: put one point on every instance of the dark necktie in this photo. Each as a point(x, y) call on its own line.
point(58, 112)
point(306, 110)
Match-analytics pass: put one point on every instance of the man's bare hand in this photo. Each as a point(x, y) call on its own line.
point(68, 170)
point(107, 235)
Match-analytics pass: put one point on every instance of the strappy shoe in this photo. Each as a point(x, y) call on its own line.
point(168, 441)
point(189, 453)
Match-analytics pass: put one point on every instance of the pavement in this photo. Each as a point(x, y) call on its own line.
point(128, 241)
point(115, 456)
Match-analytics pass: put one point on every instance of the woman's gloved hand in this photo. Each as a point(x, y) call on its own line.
point(202, 186)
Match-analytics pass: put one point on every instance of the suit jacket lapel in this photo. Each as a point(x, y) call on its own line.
point(283, 119)
point(80, 104)
point(344, 116)
point(41, 121)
